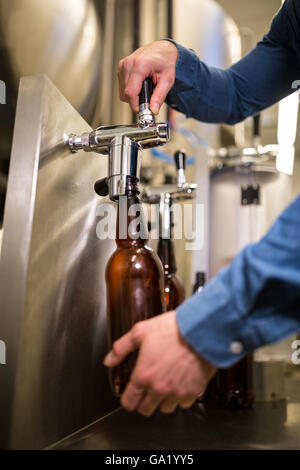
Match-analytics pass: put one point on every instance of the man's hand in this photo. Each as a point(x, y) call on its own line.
point(156, 60)
point(167, 373)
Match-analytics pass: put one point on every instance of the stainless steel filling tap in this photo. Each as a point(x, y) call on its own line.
point(166, 194)
point(124, 144)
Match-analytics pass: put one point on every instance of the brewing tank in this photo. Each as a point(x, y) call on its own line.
point(59, 39)
point(235, 221)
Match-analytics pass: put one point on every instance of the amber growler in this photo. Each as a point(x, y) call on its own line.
point(134, 279)
point(211, 395)
point(174, 288)
point(235, 384)
point(232, 387)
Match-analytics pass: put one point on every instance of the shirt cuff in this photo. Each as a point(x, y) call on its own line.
point(198, 91)
point(212, 325)
point(187, 63)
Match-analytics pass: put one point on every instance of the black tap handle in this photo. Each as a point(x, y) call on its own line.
point(101, 187)
point(180, 160)
point(256, 125)
point(146, 91)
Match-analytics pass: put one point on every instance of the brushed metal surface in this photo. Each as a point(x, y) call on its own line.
point(269, 380)
point(60, 39)
point(266, 426)
point(52, 287)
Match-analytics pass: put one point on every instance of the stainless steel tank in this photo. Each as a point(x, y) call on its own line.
point(235, 223)
point(60, 39)
point(52, 286)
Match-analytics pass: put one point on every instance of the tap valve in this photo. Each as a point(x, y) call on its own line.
point(124, 144)
point(166, 194)
point(181, 191)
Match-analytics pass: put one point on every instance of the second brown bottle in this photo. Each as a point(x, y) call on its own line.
point(174, 288)
point(134, 279)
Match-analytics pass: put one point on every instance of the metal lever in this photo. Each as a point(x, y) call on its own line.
point(181, 191)
point(180, 162)
point(146, 116)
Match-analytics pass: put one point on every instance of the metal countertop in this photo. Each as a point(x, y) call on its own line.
point(266, 426)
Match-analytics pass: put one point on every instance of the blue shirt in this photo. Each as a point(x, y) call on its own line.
point(256, 300)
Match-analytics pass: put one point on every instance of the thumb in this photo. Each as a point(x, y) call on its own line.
point(162, 88)
point(121, 348)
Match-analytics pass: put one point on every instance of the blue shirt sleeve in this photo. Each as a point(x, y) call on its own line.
point(260, 79)
point(253, 302)
point(256, 300)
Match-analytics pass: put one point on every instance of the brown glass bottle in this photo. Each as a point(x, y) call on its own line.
point(174, 288)
point(134, 280)
point(211, 393)
point(235, 384)
point(232, 387)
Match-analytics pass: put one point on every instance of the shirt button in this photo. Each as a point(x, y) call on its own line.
point(236, 347)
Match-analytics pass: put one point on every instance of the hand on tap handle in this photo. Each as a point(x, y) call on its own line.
point(156, 60)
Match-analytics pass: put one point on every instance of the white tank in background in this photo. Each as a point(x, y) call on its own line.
point(233, 225)
point(203, 26)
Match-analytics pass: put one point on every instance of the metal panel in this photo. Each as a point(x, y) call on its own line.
point(52, 288)
point(62, 41)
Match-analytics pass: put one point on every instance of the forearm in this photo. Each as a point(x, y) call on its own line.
point(253, 302)
point(257, 81)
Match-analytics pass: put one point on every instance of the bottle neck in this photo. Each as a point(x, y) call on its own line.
point(166, 252)
point(200, 281)
point(131, 226)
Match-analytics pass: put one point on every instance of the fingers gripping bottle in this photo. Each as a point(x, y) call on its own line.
point(134, 280)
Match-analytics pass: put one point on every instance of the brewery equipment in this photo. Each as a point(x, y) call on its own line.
point(165, 196)
point(123, 144)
